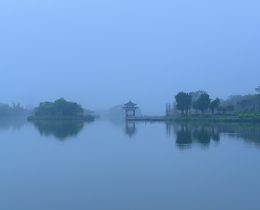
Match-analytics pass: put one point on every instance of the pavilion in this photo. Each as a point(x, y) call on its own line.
point(130, 107)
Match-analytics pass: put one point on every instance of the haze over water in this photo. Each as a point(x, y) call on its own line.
point(103, 53)
point(109, 164)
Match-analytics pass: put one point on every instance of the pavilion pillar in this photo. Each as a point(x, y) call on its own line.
point(134, 113)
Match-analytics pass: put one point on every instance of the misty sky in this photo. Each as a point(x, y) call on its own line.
point(103, 53)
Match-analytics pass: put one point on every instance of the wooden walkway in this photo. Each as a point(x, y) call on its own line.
point(147, 118)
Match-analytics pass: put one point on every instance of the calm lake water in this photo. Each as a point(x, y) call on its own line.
point(108, 164)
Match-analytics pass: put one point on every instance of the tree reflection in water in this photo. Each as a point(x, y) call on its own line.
point(202, 136)
point(183, 137)
point(12, 123)
point(188, 134)
point(59, 129)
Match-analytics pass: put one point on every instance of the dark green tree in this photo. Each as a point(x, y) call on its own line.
point(221, 109)
point(195, 95)
point(183, 102)
point(195, 106)
point(214, 105)
point(203, 102)
point(230, 108)
point(258, 89)
point(59, 107)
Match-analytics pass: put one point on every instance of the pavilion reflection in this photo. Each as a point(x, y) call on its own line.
point(130, 128)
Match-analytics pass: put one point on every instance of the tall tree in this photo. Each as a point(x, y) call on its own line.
point(195, 95)
point(203, 102)
point(258, 89)
point(166, 110)
point(214, 105)
point(230, 108)
point(183, 102)
point(195, 106)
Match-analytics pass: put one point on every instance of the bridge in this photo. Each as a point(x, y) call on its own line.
point(147, 118)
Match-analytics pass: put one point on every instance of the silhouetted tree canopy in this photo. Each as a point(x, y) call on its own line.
point(203, 102)
point(214, 105)
point(183, 101)
point(59, 107)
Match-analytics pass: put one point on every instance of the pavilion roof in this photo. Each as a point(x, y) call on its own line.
point(130, 103)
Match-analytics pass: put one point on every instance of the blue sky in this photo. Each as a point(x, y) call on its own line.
point(103, 53)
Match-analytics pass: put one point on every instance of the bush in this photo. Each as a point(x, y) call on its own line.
point(251, 115)
point(246, 115)
point(240, 116)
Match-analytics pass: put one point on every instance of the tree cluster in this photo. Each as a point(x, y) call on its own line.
point(198, 100)
point(244, 103)
point(59, 107)
point(10, 111)
point(250, 103)
point(225, 109)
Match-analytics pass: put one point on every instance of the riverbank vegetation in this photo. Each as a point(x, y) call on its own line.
point(60, 110)
point(198, 106)
point(14, 110)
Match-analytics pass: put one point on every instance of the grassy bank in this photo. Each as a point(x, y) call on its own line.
point(217, 119)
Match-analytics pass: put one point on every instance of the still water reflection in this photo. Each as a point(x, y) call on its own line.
point(130, 129)
point(14, 124)
point(111, 164)
point(203, 134)
point(59, 129)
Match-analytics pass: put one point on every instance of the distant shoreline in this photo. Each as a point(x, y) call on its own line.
point(60, 118)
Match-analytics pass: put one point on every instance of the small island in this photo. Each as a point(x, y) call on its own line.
point(59, 110)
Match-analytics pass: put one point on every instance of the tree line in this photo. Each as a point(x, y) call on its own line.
point(200, 101)
point(249, 103)
point(15, 109)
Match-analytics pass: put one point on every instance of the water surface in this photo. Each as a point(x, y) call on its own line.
point(110, 164)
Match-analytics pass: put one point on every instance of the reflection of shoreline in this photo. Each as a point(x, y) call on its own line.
point(59, 129)
point(188, 134)
point(14, 123)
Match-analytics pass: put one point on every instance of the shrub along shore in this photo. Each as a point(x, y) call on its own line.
point(241, 118)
